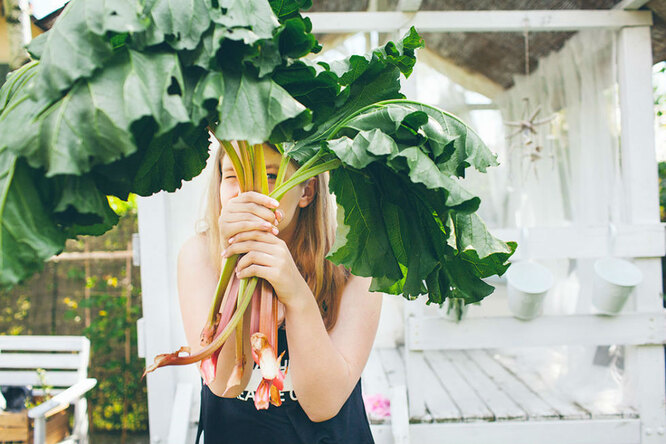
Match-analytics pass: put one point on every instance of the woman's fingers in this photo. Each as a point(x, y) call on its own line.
point(260, 211)
point(248, 246)
point(255, 257)
point(258, 198)
point(259, 271)
point(256, 235)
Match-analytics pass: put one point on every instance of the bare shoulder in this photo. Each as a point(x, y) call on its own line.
point(194, 250)
point(358, 304)
point(358, 290)
point(193, 258)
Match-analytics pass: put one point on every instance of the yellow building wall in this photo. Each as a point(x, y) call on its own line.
point(4, 46)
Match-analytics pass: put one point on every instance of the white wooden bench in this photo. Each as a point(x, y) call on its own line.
point(65, 361)
point(458, 383)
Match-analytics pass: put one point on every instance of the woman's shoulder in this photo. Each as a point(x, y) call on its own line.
point(193, 254)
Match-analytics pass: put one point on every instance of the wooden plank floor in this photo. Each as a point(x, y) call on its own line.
point(478, 385)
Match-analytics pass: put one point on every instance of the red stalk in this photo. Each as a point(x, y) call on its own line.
point(174, 358)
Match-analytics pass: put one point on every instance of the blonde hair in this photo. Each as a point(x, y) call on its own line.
point(312, 240)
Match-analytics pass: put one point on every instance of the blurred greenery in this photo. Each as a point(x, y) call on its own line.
point(53, 302)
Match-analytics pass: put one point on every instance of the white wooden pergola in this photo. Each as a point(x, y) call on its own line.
point(166, 220)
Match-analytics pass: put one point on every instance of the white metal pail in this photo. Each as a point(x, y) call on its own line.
point(614, 279)
point(528, 284)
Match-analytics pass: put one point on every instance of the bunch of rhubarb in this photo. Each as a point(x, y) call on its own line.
point(122, 98)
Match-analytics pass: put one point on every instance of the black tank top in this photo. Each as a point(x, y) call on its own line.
point(237, 421)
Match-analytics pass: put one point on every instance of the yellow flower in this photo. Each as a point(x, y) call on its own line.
point(102, 313)
point(67, 301)
point(112, 282)
point(74, 305)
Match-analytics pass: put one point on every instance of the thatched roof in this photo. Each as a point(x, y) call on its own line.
point(499, 56)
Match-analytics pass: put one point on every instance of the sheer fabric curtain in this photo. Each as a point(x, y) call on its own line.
point(575, 182)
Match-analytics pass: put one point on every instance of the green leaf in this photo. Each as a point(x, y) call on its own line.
point(92, 123)
point(367, 251)
point(366, 147)
point(28, 235)
point(80, 42)
point(161, 163)
point(250, 108)
point(254, 16)
point(180, 23)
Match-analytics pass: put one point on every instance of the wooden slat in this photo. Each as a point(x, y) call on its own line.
point(425, 389)
point(40, 360)
point(394, 366)
point(13, 419)
point(436, 333)
point(470, 405)
point(416, 390)
point(625, 431)
point(14, 434)
point(563, 403)
point(56, 379)
point(477, 21)
point(374, 379)
point(93, 255)
point(499, 403)
point(601, 405)
point(529, 401)
point(41, 343)
point(374, 382)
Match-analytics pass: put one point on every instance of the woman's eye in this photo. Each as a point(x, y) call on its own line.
point(229, 177)
point(271, 176)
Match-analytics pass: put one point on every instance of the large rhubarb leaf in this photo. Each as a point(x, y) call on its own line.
point(336, 91)
point(401, 196)
point(92, 123)
point(251, 108)
point(81, 41)
point(180, 23)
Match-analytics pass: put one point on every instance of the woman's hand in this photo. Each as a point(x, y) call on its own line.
point(267, 256)
point(249, 211)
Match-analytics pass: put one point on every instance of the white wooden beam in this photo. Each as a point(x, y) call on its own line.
point(466, 78)
point(607, 431)
point(644, 366)
point(628, 5)
point(180, 414)
point(437, 333)
point(477, 21)
point(631, 241)
point(408, 5)
point(153, 219)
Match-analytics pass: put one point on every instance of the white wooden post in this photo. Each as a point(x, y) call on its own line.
point(645, 364)
point(153, 218)
point(180, 414)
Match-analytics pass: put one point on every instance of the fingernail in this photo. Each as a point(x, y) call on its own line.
point(224, 253)
point(279, 215)
point(275, 231)
point(231, 239)
point(267, 225)
point(275, 203)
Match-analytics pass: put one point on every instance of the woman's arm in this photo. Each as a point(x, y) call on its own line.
point(325, 366)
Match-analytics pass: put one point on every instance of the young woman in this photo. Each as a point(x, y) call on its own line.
point(328, 318)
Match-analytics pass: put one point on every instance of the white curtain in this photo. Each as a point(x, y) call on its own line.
point(575, 182)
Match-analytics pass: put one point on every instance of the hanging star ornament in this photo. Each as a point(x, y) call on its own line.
point(527, 129)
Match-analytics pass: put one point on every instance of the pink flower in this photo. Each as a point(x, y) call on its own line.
point(377, 405)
